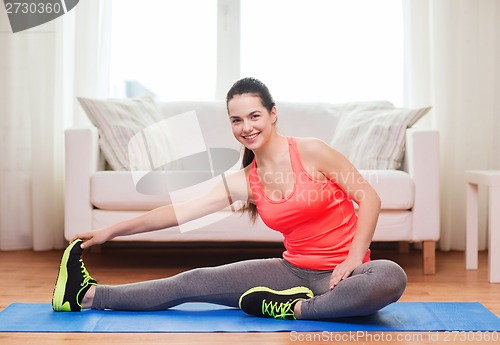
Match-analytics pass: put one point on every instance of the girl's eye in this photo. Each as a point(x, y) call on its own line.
point(235, 120)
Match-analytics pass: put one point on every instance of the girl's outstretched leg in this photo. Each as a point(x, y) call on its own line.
point(220, 285)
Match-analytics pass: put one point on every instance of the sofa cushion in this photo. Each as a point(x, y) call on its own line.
point(117, 190)
point(118, 121)
point(394, 225)
point(375, 138)
point(144, 190)
point(395, 188)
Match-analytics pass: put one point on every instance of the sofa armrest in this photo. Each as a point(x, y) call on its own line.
point(422, 163)
point(82, 159)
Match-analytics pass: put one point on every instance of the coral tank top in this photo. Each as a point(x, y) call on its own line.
point(317, 219)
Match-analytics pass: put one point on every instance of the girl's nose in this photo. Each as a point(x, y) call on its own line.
point(247, 127)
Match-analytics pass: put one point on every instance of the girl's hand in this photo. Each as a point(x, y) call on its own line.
point(342, 271)
point(93, 237)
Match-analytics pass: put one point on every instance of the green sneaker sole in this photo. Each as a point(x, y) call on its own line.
point(60, 288)
point(292, 291)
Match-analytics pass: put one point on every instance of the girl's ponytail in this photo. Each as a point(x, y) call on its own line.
point(248, 157)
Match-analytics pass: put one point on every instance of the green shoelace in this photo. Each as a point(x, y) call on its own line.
point(87, 279)
point(279, 310)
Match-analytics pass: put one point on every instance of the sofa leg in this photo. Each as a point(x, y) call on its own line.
point(429, 253)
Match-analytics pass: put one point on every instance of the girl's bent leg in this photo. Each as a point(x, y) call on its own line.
point(371, 286)
point(221, 285)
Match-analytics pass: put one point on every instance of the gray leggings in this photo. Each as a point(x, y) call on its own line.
point(370, 287)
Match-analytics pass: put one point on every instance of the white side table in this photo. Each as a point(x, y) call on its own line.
point(490, 179)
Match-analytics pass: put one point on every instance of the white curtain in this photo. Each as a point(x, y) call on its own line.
point(37, 89)
point(453, 64)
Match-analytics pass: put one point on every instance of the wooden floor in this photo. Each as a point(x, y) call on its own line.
point(27, 276)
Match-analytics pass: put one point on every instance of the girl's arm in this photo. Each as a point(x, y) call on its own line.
point(175, 214)
point(337, 167)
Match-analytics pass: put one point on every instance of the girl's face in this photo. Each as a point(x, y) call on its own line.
point(251, 122)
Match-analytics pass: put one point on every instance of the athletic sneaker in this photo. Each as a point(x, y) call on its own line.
point(73, 280)
point(265, 302)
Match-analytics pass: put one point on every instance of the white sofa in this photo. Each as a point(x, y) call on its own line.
point(96, 197)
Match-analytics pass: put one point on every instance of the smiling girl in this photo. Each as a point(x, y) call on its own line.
point(301, 187)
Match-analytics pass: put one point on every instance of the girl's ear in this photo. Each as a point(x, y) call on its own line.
point(274, 114)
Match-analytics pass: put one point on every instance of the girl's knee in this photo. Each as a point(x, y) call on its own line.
point(396, 278)
point(391, 276)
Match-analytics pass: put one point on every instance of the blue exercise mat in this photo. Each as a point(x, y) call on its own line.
point(199, 317)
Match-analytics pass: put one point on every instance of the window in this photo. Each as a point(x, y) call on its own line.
point(167, 48)
point(314, 50)
point(325, 50)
